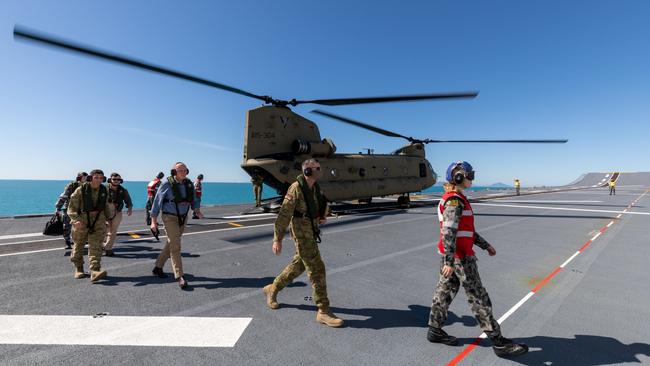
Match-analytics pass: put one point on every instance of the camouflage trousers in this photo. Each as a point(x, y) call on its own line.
point(67, 227)
point(465, 273)
point(307, 258)
point(94, 239)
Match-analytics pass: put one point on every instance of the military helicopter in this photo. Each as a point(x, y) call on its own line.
point(277, 140)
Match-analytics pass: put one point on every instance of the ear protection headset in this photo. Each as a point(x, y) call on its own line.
point(173, 171)
point(308, 172)
point(463, 171)
point(89, 178)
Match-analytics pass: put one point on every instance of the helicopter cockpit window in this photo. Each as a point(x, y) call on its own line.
point(423, 170)
point(334, 173)
point(385, 172)
point(362, 172)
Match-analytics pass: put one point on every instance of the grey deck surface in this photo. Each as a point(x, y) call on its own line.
point(382, 268)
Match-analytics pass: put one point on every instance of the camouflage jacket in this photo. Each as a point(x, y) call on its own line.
point(450, 219)
point(76, 205)
point(294, 201)
point(64, 198)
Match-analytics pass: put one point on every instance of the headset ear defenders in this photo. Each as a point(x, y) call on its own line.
point(173, 172)
point(460, 176)
point(309, 171)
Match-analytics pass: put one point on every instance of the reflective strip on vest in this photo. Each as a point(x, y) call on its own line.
point(468, 213)
point(465, 234)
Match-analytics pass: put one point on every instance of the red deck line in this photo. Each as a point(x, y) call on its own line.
point(548, 278)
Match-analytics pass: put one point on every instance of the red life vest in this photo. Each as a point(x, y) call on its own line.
point(197, 188)
point(152, 187)
point(465, 234)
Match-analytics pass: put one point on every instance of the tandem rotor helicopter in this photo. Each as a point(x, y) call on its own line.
point(277, 140)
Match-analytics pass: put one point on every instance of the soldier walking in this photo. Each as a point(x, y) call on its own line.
point(88, 211)
point(62, 205)
point(258, 182)
point(118, 197)
point(174, 198)
point(304, 208)
point(198, 190)
point(458, 265)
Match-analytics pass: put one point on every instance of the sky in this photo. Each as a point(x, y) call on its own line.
point(544, 70)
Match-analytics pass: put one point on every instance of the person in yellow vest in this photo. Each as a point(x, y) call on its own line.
point(612, 187)
point(517, 186)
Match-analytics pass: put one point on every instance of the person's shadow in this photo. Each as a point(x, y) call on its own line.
point(583, 350)
point(196, 281)
point(416, 316)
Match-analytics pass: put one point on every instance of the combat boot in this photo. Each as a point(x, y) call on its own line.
point(271, 292)
point(328, 318)
point(504, 347)
point(437, 335)
point(79, 272)
point(97, 275)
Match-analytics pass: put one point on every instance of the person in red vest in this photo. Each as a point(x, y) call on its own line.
point(198, 190)
point(458, 265)
point(152, 188)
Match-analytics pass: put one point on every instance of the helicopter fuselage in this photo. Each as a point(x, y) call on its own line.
point(278, 140)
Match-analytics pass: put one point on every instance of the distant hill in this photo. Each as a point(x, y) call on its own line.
point(499, 185)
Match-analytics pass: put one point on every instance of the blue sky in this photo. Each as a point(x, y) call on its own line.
point(552, 69)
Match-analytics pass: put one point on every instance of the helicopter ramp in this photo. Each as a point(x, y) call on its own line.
point(569, 279)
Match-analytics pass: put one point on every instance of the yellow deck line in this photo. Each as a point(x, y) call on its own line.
point(134, 235)
point(235, 225)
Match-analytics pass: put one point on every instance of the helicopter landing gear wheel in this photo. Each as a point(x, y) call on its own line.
point(404, 201)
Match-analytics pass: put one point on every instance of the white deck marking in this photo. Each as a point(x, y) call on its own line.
point(549, 201)
point(560, 208)
point(173, 331)
point(569, 260)
point(248, 216)
point(596, 236)
point(18, 236)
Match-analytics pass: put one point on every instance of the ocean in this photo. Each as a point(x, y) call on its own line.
point(28, 197)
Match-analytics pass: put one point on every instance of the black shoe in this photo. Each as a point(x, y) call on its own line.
point(504, 347)
point(157, 271)
point(109, 253)
point(68, 244)
point(182, 283)
point(437, 335)
point(194, 217)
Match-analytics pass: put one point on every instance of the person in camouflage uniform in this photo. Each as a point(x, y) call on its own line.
point(258, 182)
point(62, 205)
point(304, 209)
point(88, 211)
point(118, 197)
point(458, 265)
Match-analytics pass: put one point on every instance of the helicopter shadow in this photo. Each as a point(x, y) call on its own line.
point(582, 350)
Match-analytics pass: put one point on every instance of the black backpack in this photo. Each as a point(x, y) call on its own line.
point(54, 227)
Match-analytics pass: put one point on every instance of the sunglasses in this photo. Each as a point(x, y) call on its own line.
point(470, 175)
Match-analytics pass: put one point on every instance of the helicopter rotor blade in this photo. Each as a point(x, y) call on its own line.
point(25, 34)
point(551, 141)
point(360, 124)
point(397, 98)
